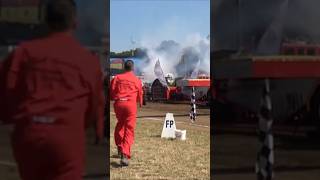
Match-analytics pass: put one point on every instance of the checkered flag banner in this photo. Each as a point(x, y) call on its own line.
point(193, 111)
point(265, 157)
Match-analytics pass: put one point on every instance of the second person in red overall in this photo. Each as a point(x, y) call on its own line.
point(126, 91)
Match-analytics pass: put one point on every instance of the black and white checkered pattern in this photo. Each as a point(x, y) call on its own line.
point(265, 157)
point(193, 111)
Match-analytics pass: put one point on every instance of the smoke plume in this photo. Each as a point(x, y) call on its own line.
point(242, 23)
point(178, 59)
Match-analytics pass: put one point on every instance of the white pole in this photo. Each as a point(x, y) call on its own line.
point(193, 111)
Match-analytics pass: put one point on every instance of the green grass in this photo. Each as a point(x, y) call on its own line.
point(156, 158)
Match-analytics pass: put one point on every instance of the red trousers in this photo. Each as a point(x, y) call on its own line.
point(126, 112)
point(44, 152)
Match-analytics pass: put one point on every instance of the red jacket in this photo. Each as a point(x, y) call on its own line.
point(56, 77)
point(127, 86)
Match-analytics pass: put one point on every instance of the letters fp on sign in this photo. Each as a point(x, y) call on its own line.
point(169, 127)
point(169, 123)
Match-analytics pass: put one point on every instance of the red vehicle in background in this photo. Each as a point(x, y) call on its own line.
point(177, 89)
point(180, 89)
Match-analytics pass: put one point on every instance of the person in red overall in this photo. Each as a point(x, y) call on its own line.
point(53, 90)
point(126, 91)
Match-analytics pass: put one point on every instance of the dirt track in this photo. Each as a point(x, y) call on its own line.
point(157, 111)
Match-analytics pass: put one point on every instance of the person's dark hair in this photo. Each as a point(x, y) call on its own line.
point(60, 14)
point(128, 65)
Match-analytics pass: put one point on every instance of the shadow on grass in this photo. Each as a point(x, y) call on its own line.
point(115, 156)
point(159, 137)
point(155, 136)
point(115, 165)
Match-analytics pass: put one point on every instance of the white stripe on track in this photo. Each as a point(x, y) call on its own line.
point(151, 118)
point(158, 119)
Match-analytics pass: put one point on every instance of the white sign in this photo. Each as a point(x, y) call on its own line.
point(169, 127)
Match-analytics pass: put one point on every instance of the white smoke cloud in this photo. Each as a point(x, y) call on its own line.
point(202, 45)
point(171, 54)
point(252, 18)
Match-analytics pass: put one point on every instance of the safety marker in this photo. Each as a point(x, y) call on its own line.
point(169, 127)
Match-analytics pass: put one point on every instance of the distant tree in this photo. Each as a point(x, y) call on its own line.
point(113, 54)
point(138, 52)
point(120, 54)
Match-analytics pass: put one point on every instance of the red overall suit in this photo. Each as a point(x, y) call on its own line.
point(126, 90)
point(53, 90)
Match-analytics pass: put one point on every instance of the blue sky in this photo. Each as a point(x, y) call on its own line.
point(156, 20)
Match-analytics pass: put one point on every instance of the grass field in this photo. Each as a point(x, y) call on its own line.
point(156, 158)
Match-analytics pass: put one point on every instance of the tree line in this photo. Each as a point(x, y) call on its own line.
point(138, 53)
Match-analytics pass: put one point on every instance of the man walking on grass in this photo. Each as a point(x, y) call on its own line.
point(126, 91)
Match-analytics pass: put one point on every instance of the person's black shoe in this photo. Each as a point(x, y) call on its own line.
point(124, 160)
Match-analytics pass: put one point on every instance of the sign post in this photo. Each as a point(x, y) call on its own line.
point(169, 127)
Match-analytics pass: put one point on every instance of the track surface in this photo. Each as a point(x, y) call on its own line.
point(157, 111)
